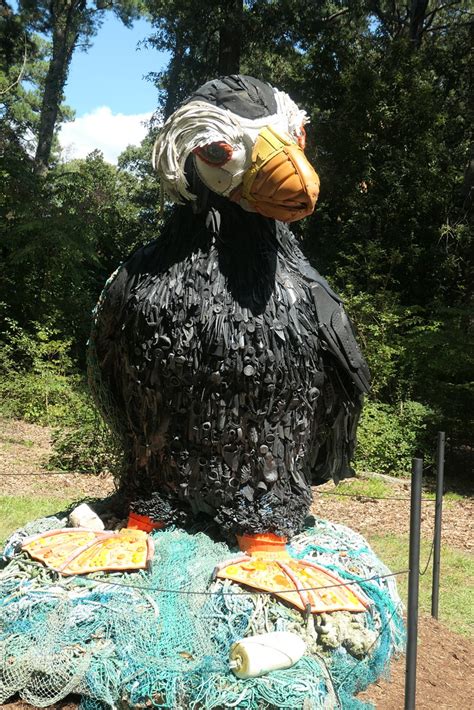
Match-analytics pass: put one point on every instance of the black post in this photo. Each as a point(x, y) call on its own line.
point(437, 529)
point(413, 584)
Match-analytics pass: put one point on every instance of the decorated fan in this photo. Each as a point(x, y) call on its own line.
point(303, 584)
point(80, 551)
point(309, 588)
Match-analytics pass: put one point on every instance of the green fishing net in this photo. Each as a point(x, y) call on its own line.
point(161, 637)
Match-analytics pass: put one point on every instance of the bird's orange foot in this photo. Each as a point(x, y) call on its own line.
point(267, 566)
point(143, 522)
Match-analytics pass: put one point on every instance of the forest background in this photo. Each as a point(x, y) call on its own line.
point(388, 88)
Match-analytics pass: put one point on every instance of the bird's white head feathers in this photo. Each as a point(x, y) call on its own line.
point(199, 123)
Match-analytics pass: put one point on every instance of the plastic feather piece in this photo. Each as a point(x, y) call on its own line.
point(80, 551)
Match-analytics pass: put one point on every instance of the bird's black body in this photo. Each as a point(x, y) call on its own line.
point(230, 372)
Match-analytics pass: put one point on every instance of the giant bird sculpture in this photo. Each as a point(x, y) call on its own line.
point(222, 359)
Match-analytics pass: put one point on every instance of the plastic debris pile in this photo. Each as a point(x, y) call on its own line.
point(161, 638)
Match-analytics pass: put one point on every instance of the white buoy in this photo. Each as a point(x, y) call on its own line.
point(84, 517)
point(256, 655)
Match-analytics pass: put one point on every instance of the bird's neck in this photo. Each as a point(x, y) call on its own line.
point(247, 250)
point(245, 244)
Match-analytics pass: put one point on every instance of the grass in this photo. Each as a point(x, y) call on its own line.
point(448, 496)
point(15, 511)
point(456, 587)
point(378, 488)
point(375, 487)
point(29, 443)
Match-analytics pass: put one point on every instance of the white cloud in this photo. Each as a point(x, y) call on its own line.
point(103, 130)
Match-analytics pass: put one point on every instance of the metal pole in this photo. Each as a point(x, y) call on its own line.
point(413, 583)
point(437, 529)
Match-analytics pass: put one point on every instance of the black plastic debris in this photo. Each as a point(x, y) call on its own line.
point(225, 363)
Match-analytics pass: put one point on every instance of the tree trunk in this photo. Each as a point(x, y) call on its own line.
point(65, 26)
point(230, 38)
point(417, 20)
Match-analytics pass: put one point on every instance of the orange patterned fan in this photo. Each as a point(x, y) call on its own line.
point(80, 551)
point(301, 583)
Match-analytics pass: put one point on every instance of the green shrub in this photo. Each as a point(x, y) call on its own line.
point(38, 383)
point(440, 354)
point(37, 380)
point(46, 399)
point(381, 326)
point(87, 447)
point(389, 436)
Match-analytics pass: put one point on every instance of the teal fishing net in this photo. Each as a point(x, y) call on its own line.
point(161, 638)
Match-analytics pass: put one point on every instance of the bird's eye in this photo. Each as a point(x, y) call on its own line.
point(300, 137)
point(215, 154)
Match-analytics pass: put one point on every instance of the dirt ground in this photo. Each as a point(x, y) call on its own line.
point(445, 673)
point(385, 516)
point(24, 451)
point(445, 670)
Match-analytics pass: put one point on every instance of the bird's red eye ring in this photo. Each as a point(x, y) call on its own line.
point(301, 137)
point(215, 154)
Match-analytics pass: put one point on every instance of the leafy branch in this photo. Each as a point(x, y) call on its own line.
point(21, 72)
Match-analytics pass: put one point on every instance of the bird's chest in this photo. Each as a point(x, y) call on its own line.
point(193, 325)
point(219, 376)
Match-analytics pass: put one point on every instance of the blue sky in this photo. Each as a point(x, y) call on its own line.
point(111, 73)
point(107, 89)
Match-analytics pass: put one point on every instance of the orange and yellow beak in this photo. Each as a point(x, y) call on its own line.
point(280, 182)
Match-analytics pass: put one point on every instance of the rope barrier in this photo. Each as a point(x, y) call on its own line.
point(50, 473)
point(323, 493)
point(210, 594)
point(429, 558)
